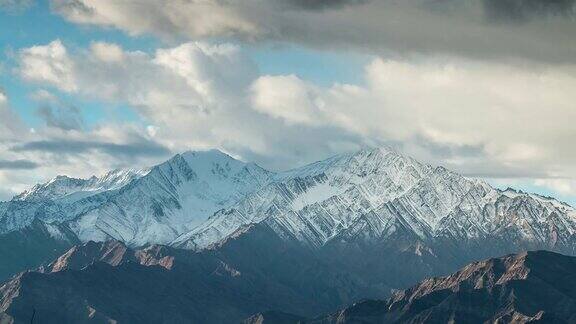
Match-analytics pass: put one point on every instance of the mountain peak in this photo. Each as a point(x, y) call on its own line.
point(382, 149)
point(212, 163)
point(112, 252)
point(379, 155)
point(58, 186)
point(64, 186)
point(369, 158)
point(206, 154)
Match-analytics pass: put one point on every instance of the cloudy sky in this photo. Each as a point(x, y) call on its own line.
point(484, 87)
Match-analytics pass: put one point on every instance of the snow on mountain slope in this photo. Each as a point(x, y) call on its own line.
point(197, 199)
point(446, 208)
point(138, 207)
point(73, 189)
point(172, 198)
point(371, 194)
point(61, 199)
point(315, 202)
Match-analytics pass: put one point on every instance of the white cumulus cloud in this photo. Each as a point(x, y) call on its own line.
point(50, 64)
point(481, 118)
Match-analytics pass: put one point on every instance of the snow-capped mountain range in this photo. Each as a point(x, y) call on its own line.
point(197, 199)
point(72, 189)
point(372, 194)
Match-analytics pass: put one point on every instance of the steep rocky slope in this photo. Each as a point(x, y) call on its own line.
point(104, 282)
point(530, 287)
point(172, 198)
point(246, 274)
point(370, 195)
point(138, 207)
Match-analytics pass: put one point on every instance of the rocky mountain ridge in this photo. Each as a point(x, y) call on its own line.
point(103, 282)
point(530, 287)
point(357, 210)
point(109, 281)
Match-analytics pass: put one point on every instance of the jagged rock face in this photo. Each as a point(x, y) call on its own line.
point(171, 199)
point(314, 203)
point(366, 197)
point(137, 207)
point(528, 287)
point(111, 252)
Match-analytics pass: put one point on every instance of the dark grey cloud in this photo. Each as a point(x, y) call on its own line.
point(65, 117)
point(18, 165)
point(477, 29)
point(480, 29)
point(141, 148)
point(320, 4)
point(525, 10)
